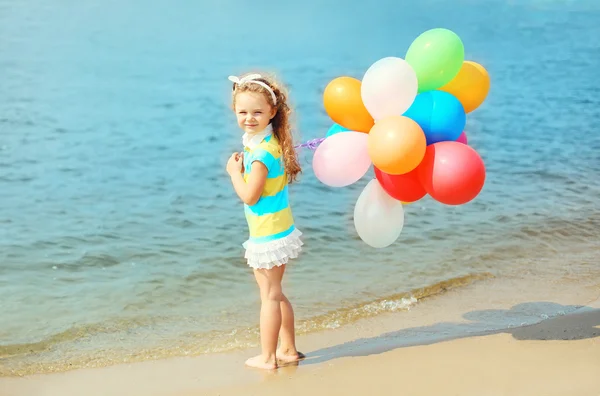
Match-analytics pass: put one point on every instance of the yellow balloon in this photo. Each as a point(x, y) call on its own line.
point(470, 86)
point(405, 203)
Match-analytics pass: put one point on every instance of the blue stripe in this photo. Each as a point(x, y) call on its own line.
point(271, 204)
point(273, 237)
point(263, 156)
point(273, 165)
point(276, 170)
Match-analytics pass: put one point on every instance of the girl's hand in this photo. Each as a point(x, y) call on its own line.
point(235, 163)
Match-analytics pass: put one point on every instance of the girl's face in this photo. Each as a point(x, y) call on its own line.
point(253, 112)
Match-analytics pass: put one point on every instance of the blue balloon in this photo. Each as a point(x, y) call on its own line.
point(441, 116)
point(336, 128)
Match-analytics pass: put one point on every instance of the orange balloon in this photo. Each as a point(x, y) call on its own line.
point(343, 103)
point(396, 145)
point(470, 86)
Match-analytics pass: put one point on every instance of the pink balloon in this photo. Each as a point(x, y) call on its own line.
point(342, 159)
point(462, 138)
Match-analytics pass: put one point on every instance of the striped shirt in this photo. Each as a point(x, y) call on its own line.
point(271, 217)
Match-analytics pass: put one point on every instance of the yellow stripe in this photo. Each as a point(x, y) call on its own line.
point(274, 185)
point(270, 224)
point(272, 148)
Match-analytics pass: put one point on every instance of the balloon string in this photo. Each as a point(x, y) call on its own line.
point(311, 144)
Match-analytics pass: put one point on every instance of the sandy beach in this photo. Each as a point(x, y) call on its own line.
point(444, 346)
point(488, 365)
point(557, 357)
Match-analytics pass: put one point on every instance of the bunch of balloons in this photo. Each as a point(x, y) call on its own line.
point(406, 118)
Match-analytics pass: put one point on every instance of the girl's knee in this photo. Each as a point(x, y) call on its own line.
point(270, 284)
point(273, 294)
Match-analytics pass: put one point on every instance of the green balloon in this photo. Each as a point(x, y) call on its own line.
point(436, 56)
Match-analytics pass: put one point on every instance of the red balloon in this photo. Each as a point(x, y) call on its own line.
point(451, 172)
point(405, 187)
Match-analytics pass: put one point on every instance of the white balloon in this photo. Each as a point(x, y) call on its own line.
point(378, 218)
point(389, 87)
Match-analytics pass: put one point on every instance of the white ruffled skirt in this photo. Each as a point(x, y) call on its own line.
point(273, 253)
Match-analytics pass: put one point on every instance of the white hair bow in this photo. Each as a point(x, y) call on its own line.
point(252, 78)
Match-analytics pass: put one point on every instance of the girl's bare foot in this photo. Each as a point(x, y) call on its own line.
point(288, 356)
point(262, 363)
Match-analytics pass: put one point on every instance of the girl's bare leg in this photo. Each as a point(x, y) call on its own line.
point(271, 297)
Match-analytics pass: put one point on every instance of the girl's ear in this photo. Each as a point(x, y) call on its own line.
point(273, 112)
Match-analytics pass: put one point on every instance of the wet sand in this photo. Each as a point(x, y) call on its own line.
point(473, 341)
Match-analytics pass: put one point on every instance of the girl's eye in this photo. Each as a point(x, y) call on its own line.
point(258, 112)
point(242, 112)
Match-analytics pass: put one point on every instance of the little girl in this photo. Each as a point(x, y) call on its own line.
point(260, 177)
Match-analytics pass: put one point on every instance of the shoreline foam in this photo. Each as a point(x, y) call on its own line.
point(47, 356)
